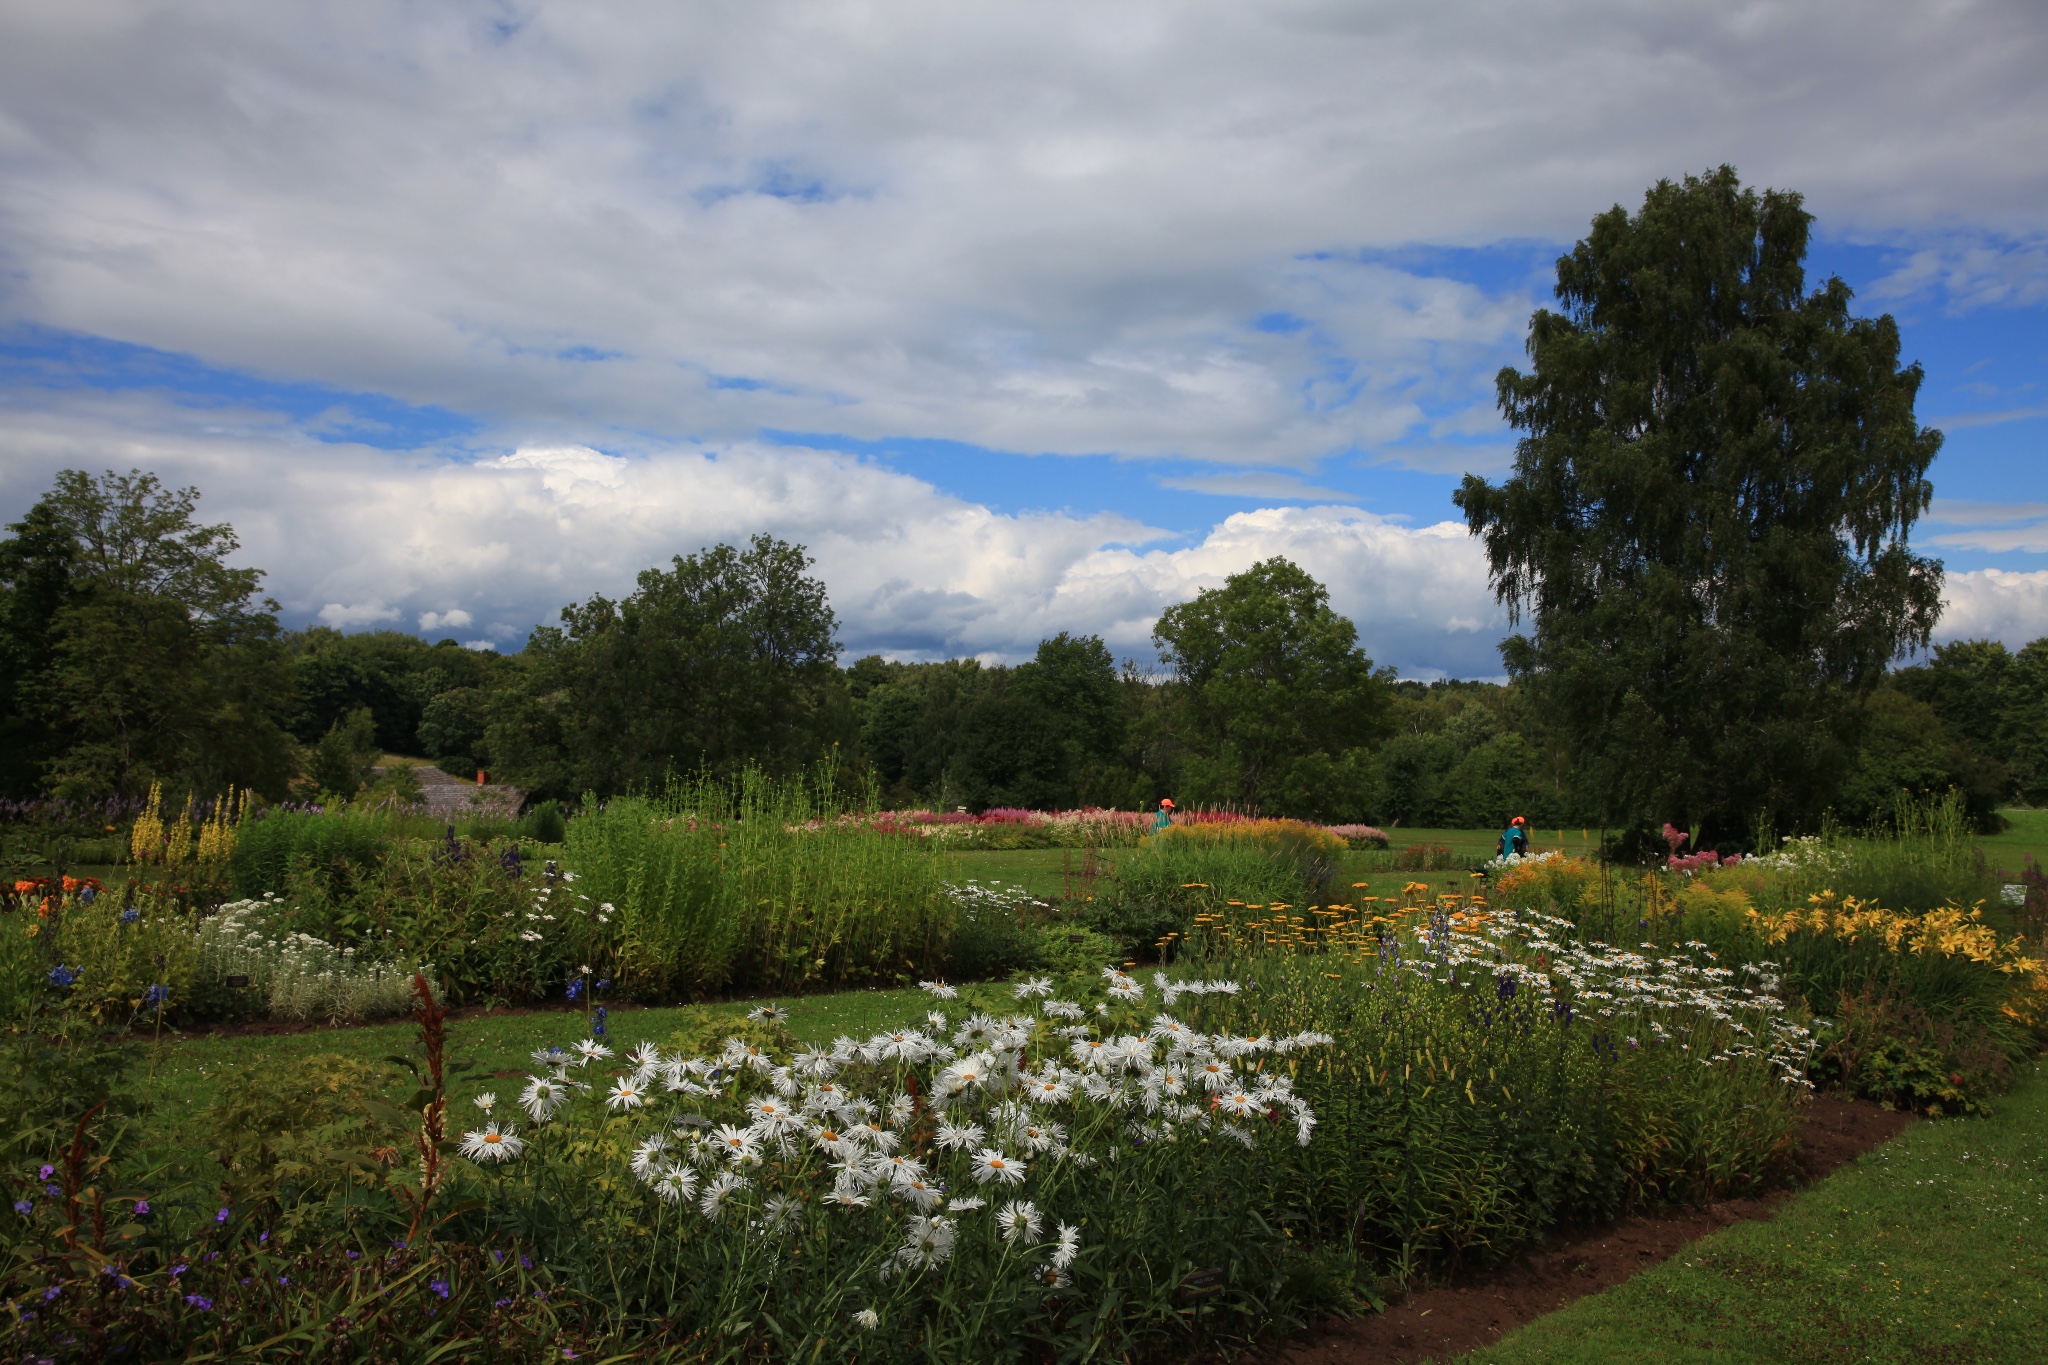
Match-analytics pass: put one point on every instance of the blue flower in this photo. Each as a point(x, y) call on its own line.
point(154, 997)
point(199, 1301)
point(597, 1022)
point(604, 984)
point(130, 915)
point(62, 976)
point(221, 1217)
point(576, 988)
point(439, 1287)
point(24, 1207)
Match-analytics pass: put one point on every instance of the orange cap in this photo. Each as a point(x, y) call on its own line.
point(1518, 820)
point(1166, 801)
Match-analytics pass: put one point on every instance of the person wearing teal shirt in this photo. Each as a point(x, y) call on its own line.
point(1515, 838)
point(1165, 815)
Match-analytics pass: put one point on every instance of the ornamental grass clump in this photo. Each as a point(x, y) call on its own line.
point(968, 1187)
point(755, 884)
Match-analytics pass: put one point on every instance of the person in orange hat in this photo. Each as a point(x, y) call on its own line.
point(1515, 838)
point(1165, 814)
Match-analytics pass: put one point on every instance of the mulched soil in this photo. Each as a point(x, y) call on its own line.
point(1446, 1321)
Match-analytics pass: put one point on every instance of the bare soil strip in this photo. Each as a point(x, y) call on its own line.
point(1444, 1322)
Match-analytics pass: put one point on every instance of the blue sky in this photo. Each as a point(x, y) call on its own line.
point(1023, 319)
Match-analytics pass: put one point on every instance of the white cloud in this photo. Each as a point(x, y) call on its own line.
point(1995, 604)
point(356, 536)
point(342, 615)
point(453, 618)
point(1044, 227)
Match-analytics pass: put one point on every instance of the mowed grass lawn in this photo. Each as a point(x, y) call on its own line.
point(185, 1074)
point(1933, 1248)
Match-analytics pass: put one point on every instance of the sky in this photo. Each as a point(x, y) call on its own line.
point(1021, 317)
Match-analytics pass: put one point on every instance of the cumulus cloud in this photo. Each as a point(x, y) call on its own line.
point(1995, 604)
point(342, 615)
point(353, 536)
point(1048, 227)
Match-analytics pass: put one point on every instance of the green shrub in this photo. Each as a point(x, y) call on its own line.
point(1158, 890)
point(338, 846)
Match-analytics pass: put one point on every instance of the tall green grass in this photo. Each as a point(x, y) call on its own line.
point(1160, 888)
point(756, 884)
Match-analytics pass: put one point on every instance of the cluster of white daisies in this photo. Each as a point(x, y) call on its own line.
point(930, 1118)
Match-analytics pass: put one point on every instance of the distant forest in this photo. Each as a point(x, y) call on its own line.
point(130, 654)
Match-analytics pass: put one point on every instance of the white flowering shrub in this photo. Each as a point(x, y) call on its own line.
point(937, 1189)
point(298, 976)
point(1802, 853)
point(1507, 862)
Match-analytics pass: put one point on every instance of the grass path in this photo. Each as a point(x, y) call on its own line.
point(1931, 1249)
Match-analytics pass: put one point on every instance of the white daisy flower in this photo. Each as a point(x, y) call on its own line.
point(1214, 1073)
point(627, 1093)
point(738, 1144)
point(1049, 1087)
point(1060, 1009)
point(928, 1240)
point(966, 1074)
point(647, 1156)
point(1019, 1220)
point(675, 1183)
point(901, 1110)
point(876, 1136)
point(1037, 985)
point(965, 1204)
point(771, 1115)
point(741, 1053)
point(768, 1014)
point(550, 1056)
point(713, 1201)
point(939, 989)
point(1069, 1247)
point(543, 1096)
point(492, 1144)
point(814, 1063)
point(1237, 1103)
point(990, 1164)
point(918, 1192)
point(867, 1319)
point(958, 1139)
point(646, 1056)
point(1042, 1137)
point(486, 1101)
point(589, 1050)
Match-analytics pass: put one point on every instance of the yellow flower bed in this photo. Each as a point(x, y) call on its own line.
point(1950, 931)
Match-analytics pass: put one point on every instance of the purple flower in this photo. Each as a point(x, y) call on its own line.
point(46, 1172)
point(439, 1287)
point(499, 1303)
point(284, 1279)
point(199, 1301)
point(354, 1254)
point(23, 1207)
point(52, 1191)
point(221, 1217)
point(142, 1208)
point(52, 1292)
point(176, 1271)
point(261, 1238)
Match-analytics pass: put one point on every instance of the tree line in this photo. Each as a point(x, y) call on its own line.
point(1705, 530)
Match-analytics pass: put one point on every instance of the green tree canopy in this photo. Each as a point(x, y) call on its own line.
point(1708, 513)
point(1277, 697)
point(133, 651)
point(725, 660)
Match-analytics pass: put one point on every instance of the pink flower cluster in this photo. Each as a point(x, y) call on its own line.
point(1693, 862)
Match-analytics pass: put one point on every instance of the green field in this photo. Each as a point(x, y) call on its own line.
point(2027, 838)
point(1932, 1248)
point(181, 1075)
